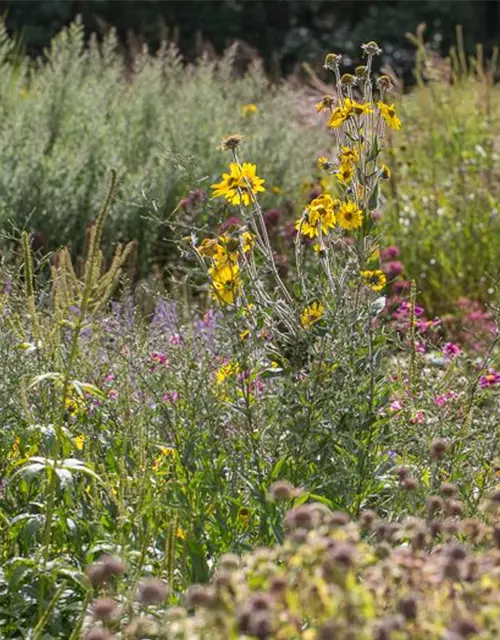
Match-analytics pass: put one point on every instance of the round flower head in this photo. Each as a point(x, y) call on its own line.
point(345, 173)
point(332, 61)
point(350, 216)
point(248, 110)
point(371, 48)
point(231, 142)
point(238, 186)
point(311, 314)
point(374, 279)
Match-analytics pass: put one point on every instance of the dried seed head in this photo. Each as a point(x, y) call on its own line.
point(199, 596)
point(438, 448)
point(260, 625)
point(448, 489)
point(419, 538)
point(464, 627)
point(401, 472)
point(456, 552)
point(453, 507)
point(281, 491)
point(451, 570)
point(152, 591)
point(408, 607)
point(301, 517)
point(99, 634)
point(278, 585)
point(384, 83)
point(223, 579)
point(299, 536)
point(229, 562)
point(472, 528)
point(105, 609)
point(367, 518)
point(434, 504)
point(371, 48)
point(410, 483)
point(383, 550)
point(435, 528)
point(347, 80)
point(338, 519)
point(141, 627)
point(260, 602)
point(113, 566)
point(231, 142)
point(95, 574)
point(174, 614)
point(332, 61)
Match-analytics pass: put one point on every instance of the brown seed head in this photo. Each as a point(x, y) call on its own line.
point(229, 562)
point(281, 491)
point(438, 448)
point(410, 483)
point(384, 83)
point(448, 489)
point(231, 142)
point(105, 609)
point(408, 607)
point(152, 591)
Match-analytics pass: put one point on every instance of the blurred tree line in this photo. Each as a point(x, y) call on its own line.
point(283, 32)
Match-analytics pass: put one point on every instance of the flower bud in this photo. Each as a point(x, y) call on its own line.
point(371, 48)
point(332, 61)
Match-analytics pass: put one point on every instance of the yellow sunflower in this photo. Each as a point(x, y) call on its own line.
point(374, 279)
point(350, 216)
point(345, 173)
point(311, 314)
point(348, 155)
point(388, 112)
point(238, 185)
point(225, 282)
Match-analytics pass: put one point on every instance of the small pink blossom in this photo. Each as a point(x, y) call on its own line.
point(418, 418)
point(389, 253)
point(396, 405)
point(176, 339)
point(451, 350)
point(490, 379)
point(170, 397)
point(113, 394)
point(159, 358)
point(110, 377)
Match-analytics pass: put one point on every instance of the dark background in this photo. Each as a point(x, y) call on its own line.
point(283, 32)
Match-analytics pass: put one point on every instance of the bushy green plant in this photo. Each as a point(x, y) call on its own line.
point(69, 116)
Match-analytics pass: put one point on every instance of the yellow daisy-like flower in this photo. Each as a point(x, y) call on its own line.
point(74, 406)
point(374, 279)
point(79, 442)
point(354, 108)
point(350, 216)
point(385, 172)
point(345, 173)
point(248, 110)
point(180, 534)
point(322, 161)
point(326, 102)
point(226, 371)
point(348, 155)
point(238, 185)
point(320, 212)
point(311, 314)
point(208, 247)
point(225, 282)
point(388, 112)
point(338, 117)
point(247, 240)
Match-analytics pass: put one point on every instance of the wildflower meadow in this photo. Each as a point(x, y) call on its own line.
point(249, 343)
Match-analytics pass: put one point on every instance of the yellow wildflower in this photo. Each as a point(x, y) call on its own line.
point(311, 314)
point(180, 534)
point(385, 172)
point(247, 241)
point(226, 371)
point(326, 102)
point(350, 216)
point(319, 212)
point(276, 190)
point(348, 155)
point(225, 282)
point(248, 110)
point(388, 112)
point(79, 442)
point(244, 334)
point(345, 173)
point(74, 405)
point(208, 247)
point(374, 279)
point(338, 117)
point(354, 108)
point(239, 185)
point(324, 163)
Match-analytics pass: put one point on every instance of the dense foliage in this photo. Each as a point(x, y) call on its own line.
point(284, 33)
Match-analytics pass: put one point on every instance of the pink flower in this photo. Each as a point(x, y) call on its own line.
point(392, 269)
point(451, 350)
point(113, 394)
point(420, 347)
point(231, 223)
point(396, 405)
point(490, 379)
point(445, 397)
point(159, 358)
point(418, 418)
point(170, 397)
point(110, 377)
point(176, 339)
point(389, 253)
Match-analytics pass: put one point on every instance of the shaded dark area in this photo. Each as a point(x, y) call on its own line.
point(283, 32)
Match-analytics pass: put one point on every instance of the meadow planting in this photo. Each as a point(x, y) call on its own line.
point(249, 348)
